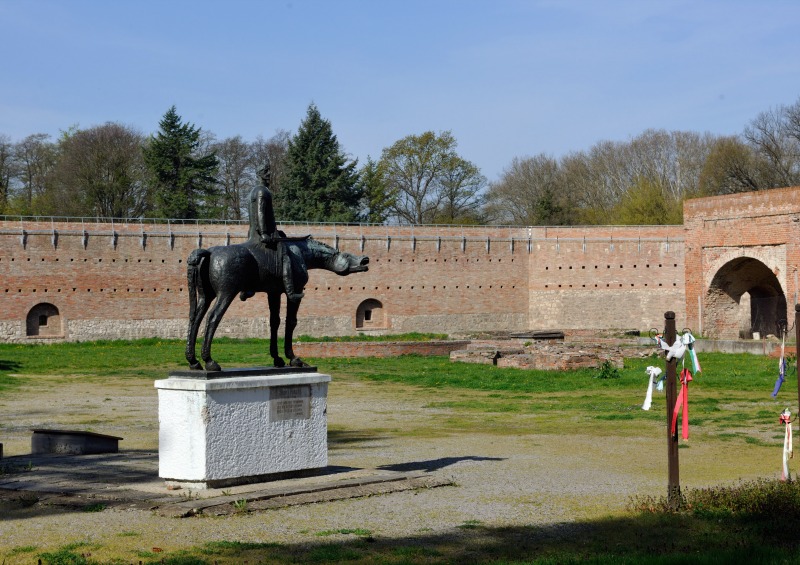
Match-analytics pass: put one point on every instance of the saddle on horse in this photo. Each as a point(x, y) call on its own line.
point(276, 257)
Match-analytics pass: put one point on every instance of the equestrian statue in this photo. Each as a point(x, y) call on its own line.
point(268, 261)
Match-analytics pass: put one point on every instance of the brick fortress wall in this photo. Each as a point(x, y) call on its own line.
point(606, 277)
point(102, 280)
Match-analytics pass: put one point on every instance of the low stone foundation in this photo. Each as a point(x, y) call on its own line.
point(320, 349)
point(548, 356)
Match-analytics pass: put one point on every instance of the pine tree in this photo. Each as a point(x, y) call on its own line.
point(184, 181)
point(320, 185)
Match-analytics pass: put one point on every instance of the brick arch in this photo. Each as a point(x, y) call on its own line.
point(43, 319)
point(370, 314)
point(744, 296)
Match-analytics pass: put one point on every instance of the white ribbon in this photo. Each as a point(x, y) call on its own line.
point(677, 350)
point(688, 340)
point(787, 444)
point(653, 374)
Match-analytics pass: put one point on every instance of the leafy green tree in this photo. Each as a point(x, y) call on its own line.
point(462, 197)
point(320, 185)
point(429, 179)
point(378, 199)
point(732, 166)
point(645, 203)
point(184, 180)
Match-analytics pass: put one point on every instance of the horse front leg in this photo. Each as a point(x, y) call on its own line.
point(274, 301)
point(220, 306)
point(291, 324)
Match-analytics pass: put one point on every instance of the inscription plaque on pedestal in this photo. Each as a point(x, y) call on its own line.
point(290, 403)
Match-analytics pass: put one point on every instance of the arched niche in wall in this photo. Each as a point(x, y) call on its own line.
point(745, 297)
point(43, 319)
point(370, 315)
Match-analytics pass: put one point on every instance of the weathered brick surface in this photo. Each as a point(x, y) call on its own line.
point(129, 280)
point(625, 280)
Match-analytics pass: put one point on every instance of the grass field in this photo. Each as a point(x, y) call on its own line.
point(730, 408)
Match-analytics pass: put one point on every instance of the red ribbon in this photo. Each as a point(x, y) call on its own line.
point(682, 402)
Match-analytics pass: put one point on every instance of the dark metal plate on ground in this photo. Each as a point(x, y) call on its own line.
point(539, 335)
point(72, 442)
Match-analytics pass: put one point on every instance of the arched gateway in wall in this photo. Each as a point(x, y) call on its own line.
point(742, 260)
point(744, 298)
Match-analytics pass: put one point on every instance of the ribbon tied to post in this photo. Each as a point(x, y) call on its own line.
point(653, 374)
point(786, 419)
point(675, 351)
point(683, 343)
point(682, 405)
point(781, 367)
point(688, 340)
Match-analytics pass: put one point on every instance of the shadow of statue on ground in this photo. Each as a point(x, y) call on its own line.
point(435, 464)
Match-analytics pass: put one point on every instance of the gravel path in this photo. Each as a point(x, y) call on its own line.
point(501, 480)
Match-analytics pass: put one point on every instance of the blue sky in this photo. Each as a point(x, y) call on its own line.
point(509, 78)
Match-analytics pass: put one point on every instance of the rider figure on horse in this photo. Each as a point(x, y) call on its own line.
point(264, 234)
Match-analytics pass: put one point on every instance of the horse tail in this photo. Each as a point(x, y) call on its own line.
point(194, 265)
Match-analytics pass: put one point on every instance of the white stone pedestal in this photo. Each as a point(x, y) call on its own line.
point(239, 426)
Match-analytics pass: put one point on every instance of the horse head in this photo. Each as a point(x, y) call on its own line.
point(322, 256)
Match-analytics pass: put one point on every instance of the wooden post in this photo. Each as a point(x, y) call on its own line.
point(673, 484)
point(797, 354)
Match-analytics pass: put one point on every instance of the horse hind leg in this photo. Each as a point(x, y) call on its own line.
point(214, 318)
point(195, 318)
point(198, 304)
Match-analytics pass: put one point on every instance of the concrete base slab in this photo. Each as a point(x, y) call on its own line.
point(82, 481)
point(332, 488)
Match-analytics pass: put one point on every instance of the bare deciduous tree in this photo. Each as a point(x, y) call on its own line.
point(530, 192)
point(7, 172)
point(462, 187)
point(274, 151)
point(236, 175)
point(672, 160)
point(35, 157)
point(775, 136)
point(100, 172)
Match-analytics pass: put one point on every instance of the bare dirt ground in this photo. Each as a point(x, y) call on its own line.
point(500, 479)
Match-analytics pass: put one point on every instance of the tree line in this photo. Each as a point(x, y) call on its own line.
point(645, 180)
point(182, 172)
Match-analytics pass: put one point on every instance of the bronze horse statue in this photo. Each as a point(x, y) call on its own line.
point(243, 269)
